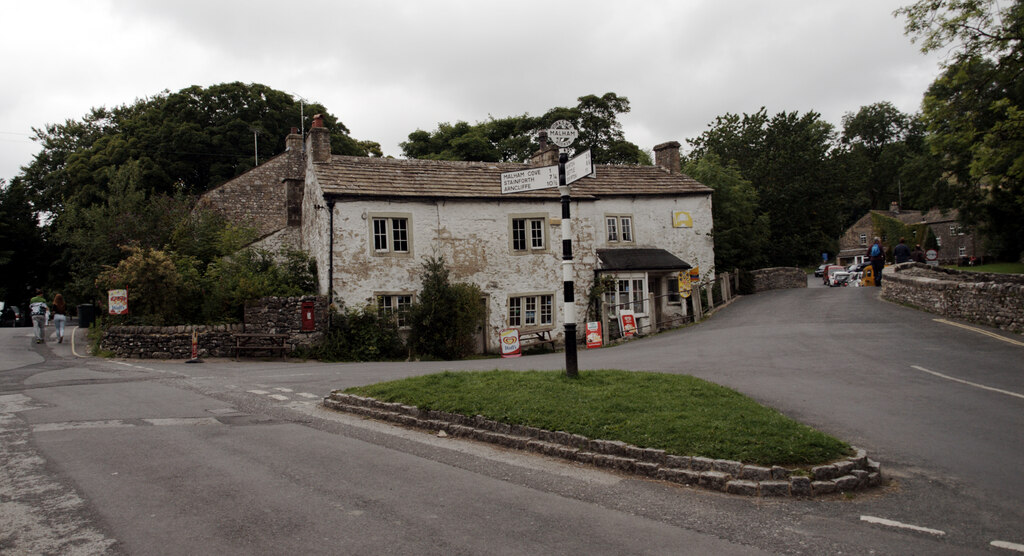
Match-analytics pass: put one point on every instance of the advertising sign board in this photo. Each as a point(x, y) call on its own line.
point(594, 339)
point(509, 340)
point(117, 301)
point(627, 323)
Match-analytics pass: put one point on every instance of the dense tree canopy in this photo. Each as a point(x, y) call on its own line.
point(974, 111)
point(513, 139)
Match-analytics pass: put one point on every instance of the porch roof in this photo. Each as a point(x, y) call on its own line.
point(639, 259)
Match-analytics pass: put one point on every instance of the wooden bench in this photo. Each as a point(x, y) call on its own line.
point(256, 342)
point(533, 339)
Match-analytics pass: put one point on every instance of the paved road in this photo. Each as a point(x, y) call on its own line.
point(146, 457)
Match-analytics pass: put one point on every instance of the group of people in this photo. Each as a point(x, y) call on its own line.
point(42, 312)
point(900, 254)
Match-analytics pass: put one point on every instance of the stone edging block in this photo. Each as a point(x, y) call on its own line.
point(856, 472)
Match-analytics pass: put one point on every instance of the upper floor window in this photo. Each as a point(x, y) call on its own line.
point(619, 228)
point(391, 234)
point(528, 233)
point(864, 239)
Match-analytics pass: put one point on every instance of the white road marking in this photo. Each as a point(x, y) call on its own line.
point(308, 395)
point(1008, 545)
point(981, 331)
point(278, 397)
point(284, 389)
point(969, 383)
point(897, 524)
point(73, 425)
point(260, 392)
point(183, 421)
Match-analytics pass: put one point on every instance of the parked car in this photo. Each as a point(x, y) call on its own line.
point(821, 270)
point(857, 267)
point(11, 316)
point(828, 270)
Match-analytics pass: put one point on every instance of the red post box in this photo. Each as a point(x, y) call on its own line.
point(308, 319)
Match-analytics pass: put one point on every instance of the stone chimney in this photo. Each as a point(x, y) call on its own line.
point(319, 140)
point(666, 155)
point(294, 141)
point(547, 155)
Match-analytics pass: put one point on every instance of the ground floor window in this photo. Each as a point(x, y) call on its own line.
point(531, 310)
point(629, 292)
point(395, 306)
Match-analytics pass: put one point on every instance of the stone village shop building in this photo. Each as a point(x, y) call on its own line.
point(369, 222)
point(955, 241)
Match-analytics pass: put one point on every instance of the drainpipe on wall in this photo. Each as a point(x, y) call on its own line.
point(330, 253)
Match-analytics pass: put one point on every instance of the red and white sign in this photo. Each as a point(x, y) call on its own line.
point(509, 340)
point(594, 335)
point(627, 322)
point(117, 301)
point(931, 255)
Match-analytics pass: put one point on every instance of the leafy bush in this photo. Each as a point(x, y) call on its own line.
point(446, 316)
point(360, 335)
point(155, 286)
point(252, 274)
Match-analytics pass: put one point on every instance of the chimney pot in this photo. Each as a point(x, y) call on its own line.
point(318, 120)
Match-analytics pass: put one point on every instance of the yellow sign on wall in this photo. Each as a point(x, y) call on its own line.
point(684, 284)
point(681, 219)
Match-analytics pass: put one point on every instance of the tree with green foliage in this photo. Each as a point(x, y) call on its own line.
point(788, 159)
point(446, 316)
point(513, 139)
point(362, 334)
point(974, 111)
point(24, 261)
point(741, 231)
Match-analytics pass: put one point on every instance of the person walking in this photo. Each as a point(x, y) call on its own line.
point(876, 253)
point(901, 253)
point(39, 311)
point(917, 255)
point(60, 316)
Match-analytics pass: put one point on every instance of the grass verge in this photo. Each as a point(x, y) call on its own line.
point(995, 268)
point(680, 414)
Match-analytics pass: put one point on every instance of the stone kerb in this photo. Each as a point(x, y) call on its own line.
point(777, 278)
point(989, 299)
point(853, 473)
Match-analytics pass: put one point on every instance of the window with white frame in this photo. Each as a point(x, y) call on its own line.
point(938, 241)
point(528, 233)
point(395, 306)
point(630, 293)
point(864, 239)
point(962, 251)
point(619, 228)
point(392, 234)
point(534, 310)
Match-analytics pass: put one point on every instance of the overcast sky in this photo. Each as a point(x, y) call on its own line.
point(386, 68)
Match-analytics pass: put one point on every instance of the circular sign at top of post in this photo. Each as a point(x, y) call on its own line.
point(562, 133)
point(931, 255)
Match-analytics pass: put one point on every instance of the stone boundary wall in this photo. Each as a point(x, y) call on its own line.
point(169, 342)
point(995, 300)
point(852, 473)
point(270, 315)
point(778, 278)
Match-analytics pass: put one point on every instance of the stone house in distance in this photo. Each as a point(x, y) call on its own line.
point(370, 222)
point(955, 241)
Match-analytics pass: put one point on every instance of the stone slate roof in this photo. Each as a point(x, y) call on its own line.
point(640, 259)
point(911, 217)
point(391, 177)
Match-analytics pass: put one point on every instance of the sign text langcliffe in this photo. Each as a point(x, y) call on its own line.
point(529, 180)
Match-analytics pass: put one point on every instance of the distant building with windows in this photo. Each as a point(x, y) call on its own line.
point(955, 243)
point(370, 222)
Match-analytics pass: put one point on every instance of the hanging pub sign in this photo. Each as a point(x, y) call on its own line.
point(627, 323)
point(685, 286)
point(509, 340)
point(695, 274)
point(117, 301)
point(593, 335)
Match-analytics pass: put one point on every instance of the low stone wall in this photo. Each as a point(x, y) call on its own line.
point(270, 315)
point(995, 300)
point(778, 278)
point(169, 342)
point(853, 473)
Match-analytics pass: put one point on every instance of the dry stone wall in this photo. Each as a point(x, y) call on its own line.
point(995, 300)
point(777, 278)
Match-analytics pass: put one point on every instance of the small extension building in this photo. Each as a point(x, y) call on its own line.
point(370, 222)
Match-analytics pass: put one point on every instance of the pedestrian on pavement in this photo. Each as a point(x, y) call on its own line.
point(876, 253)
point(901, 252)
point(39, 311)
point(60, 316)
point(917, 255)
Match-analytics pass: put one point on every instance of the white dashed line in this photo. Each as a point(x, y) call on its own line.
point(897, 524)
point(186, 421)
point(308, 395)
point(260, 392)
point(278, 397)
point(284, 389)
point(1008, 545)
point(51, 427)
point(974, 384)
